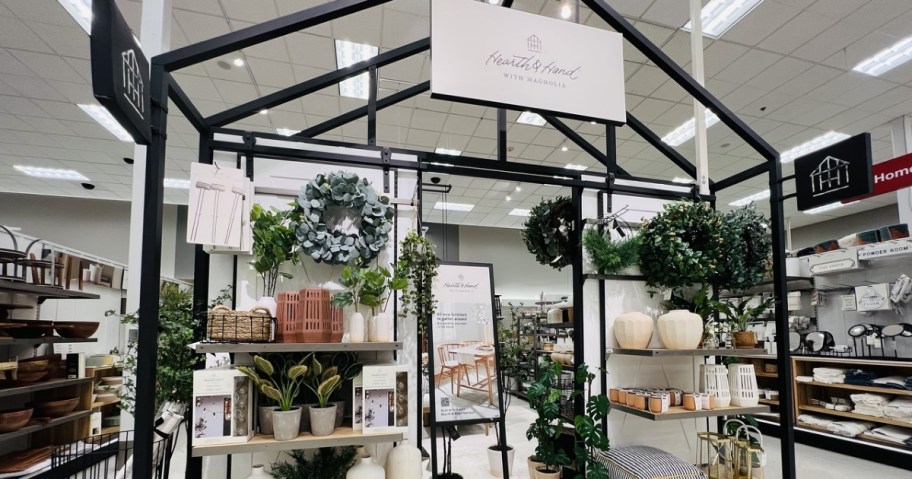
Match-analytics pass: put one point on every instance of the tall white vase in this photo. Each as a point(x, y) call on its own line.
point(356, 327)
point(366, 469)
point(259, 472)
point(378, 329)
point(680, 329)
point(404, 462)
point(269, 303)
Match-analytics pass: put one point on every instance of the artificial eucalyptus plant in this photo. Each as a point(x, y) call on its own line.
point(418, 263)
point(273, 244)
point(548, 232)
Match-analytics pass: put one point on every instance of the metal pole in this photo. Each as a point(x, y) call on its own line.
point(501, 134)
point(372, 107)
point(579, 356)
point(696, 53)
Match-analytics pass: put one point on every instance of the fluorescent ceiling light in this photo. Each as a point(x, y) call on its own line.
point(105, 119)
point(530, 118)
point(720, 15)
point(447, 151)
point(687, 131)
point(443, 205)
point(821, 141)
point(678, 179)
point(571, 166)
point(565, 11)
point(750, 199)
point(81, 11)
point(51, 173)
point(348, 53)
point(887, 59)
point(520, 212)
point(177, 183)
point(285, 131)
point(831, 206)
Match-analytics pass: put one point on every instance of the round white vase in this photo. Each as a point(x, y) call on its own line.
point(633, 330)
point(269, 303)
point(259, 472)
point(378, 329)
point(404, 462)
point(366, 469)
point(680, 329)
point(356, 327)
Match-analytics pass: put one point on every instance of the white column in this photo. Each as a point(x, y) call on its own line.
point(696, 53)
point(902, 144)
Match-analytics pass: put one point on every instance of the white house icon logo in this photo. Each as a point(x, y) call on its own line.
point(832, 174)
point(534, 44)
point(132, 82)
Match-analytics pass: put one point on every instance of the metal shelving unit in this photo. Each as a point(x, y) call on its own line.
point(44, 292)
point(44, 340)
point(50, 384)
point(678, 413)
point(687, 352)
point(294, 347)
point(344, 436)
point(73, 416)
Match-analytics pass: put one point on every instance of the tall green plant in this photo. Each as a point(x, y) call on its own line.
point(379, 285)
point(544, 398)
point(273, 244)
point(589, 436)
point(282, 384)
point(323, 381)
point(739, 314)
point(353, 281)
point(419, 263)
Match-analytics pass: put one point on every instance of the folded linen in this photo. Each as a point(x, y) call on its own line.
point(899, 409)
point(897, 435)
point(849, 428)
point(870, 399)
point(896, 382)
point(804, 379)
point(814, 420)
point(859, 377)
point(829, 379)
point(869, 411)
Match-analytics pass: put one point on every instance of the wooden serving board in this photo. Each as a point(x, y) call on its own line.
point(20, 461)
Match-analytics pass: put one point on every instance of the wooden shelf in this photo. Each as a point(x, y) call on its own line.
point(41, 386)
point(104, 403)
point(857, 417)
point(44, 292)
point(45, 340)
point(869, 389)
point(771, 402)
point(763, 374)
point(687, 352)
point(109, 430)
point(73, 416)
point(294, 347)
point(676, 413)
point(860, 437)
point(343, 436)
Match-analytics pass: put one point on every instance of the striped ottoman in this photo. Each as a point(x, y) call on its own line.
point(644, 462)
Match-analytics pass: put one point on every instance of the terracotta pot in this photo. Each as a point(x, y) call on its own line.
point(690, 402)
point(631, 398)
point(613, 395)
point(640, 401)
point(680, 329)
point(745, 339)
point(633, 330)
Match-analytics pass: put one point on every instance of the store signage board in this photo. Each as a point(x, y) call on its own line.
point(885, 249)
point(494, 56)
point(120, 71)
point(464, 335)
point(890, 175)
point(832, 174)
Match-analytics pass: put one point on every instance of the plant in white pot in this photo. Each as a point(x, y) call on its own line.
point(273, 244)
point(281, 385)
point(378, 288)
point(323, 382)
point(353, 281)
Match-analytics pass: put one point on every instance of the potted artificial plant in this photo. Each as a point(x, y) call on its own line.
point(280, 385)
point(323, 383)
point(738, 315)
point(376, 291)
point(544, 399)
point(273, 244)
point(590, 439)
point(353, 281)
point(347, 366)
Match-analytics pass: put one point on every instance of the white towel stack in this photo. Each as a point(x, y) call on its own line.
point(829, 375)
point(804, 379)
point(814, 420)
point(849, 428)
point(892, 434)
point(870, 404)
point(899, 409)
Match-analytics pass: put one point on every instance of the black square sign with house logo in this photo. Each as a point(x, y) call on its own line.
point(120, 71)
point(831, 174)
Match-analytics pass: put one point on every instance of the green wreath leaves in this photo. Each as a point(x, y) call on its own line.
point(751, 258)
point(547, 232)
point(345, 190)
point(610, 256)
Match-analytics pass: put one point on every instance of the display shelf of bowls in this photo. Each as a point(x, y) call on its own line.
point(44, 292)
point(21, 331)
point(203, 347)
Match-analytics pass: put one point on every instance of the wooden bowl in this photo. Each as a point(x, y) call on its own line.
point(33, 366)
point(14, 419)
point(29, 329)
point(53, 363)
point(57, 408)
point(76, 329)
point(30, 377)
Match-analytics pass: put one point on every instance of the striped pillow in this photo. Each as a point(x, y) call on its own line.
point(644, 462)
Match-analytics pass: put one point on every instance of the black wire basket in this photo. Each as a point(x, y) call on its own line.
point(107, 456)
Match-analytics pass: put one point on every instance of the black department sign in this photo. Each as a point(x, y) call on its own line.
point(120, 71)
point(834, 173)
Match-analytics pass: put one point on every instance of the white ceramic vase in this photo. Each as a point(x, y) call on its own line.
point(633, 330)
point(269, 303)
point(404, 462)
point(366, 469)
point(259, 472)
point(680, 329)
point(356, 327)
point(378, 329)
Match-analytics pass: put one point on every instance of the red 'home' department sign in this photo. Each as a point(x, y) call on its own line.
point(891, 175)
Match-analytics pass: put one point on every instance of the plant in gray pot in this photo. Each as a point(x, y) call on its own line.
point(281, 385)
point(324, 384)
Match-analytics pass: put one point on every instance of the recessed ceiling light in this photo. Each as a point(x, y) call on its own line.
point(518, 188)
point(348, 53)
point(592, 123)
point(447, 151)
point(571, 166)
point(177, 183)
point(509, 199)
point(750, 199)
point(720, 15)
point(565, 10)
point(105, 119)
point(81, 11)
point(238, 62)
point(821, 141)
point(831, 206)
point(285, 131)
point(520, 212)
point(687, 131)
point(564, 148)
point(51, 173)
point(530, 118)
point(264, 111)
point(886, 59)
point(493, 2)
point(678, 179)
point(445, 205)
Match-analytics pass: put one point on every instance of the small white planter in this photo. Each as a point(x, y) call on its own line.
point(495, 460)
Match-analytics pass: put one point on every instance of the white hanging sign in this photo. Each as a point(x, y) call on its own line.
point(490, 55)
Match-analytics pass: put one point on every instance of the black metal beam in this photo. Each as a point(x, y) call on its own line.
point(361, 112)
point(579, 324)
point(745, 175)
point(672, 69)
point(262, 32)
point(641, 129)
point(585, 145)
point(180, 98)
point(318, 83)
point(372, 108)
point(501, 134)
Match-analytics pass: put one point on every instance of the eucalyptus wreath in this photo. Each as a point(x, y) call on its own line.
point(687, 243)
point(752, 254)
point(347, 191)
point(418, 261)
point(547, 232)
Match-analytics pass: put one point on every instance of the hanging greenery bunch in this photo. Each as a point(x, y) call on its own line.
point(273, 244)
point(547, 232)
point(751, 257)
point(611, 255)
point(345, 191)
point(686, 243)
point(418, 262)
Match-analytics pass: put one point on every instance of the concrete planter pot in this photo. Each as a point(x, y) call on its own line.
point(322, 420)
point(286, 424)
point(265, 417)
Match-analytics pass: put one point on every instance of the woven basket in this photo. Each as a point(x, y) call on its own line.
point(229, 326)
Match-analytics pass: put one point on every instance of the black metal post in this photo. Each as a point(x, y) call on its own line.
point(372, 107)
point(362, 111)
point(579, 356)
point(603, 342)
point(501, 134)
point(147, 343)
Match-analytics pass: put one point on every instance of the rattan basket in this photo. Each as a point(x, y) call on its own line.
point(229, 326)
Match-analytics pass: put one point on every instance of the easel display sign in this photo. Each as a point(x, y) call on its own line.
point(495, 56)
point(464, 345)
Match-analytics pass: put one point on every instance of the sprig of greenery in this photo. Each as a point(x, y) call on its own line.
point(418, 264)
point(547, 232)
point(609, 255)
point(273, 244)
point(739, 314)
point(327, 463)
point(281, 384)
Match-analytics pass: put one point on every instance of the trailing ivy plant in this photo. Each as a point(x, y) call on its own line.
point(548, 232)
point(751, 256)
point(273, 244)
point(418, 263)
point(611, 255)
